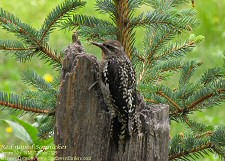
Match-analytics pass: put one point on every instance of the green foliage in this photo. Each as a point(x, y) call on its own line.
point(40, 100)
point(34, 42)
point(196, 144)
point(17, 102)
point(18, 49)
point(20, 132)
point(189, 147)
point(212, 75)
point(35, 80)
point(13, 24)
point(58, 14)
point(162, 56)
point(29, 135)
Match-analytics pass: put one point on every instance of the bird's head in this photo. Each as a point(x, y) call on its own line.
point(110, 47)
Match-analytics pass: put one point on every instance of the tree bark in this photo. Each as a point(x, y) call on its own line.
point(82, 130)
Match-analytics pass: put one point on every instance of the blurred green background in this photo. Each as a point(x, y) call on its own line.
point(212, 25)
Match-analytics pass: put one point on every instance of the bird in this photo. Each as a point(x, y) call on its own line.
point(118, 76)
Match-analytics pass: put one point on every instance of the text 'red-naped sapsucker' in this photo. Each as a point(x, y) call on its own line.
point(119, 77)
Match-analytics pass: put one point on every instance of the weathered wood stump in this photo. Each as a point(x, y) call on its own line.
point(83, 122)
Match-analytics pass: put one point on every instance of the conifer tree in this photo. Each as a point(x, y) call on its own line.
point(161, 56)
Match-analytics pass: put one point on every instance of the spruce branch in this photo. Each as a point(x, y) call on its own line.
point(179, 2)
point(200, 129)
point(29, 36)
point(137, 57)
point(211, 90)
point(205, 97)
point(46, 126)
point(203, 101)
point(218, 138)
point(106, 6)
point(170, 65)
point(159, 71)
point(14, 45)
point(187, 121)
point(175, 50)
point(97, 33)
point(46, 100)
point(169, 18)
point(31, 95)
point(88, 21)
point(153, 19)
point(17, 102)
point(32, 78)
point(134, 4)
point(173, 3)
point(191, 13)
point(212, 75)
point(19, 50)
point(13, 24)
point(193, 153)
point(151, 101)
point(47, 53)
point(206, 134)
point(187, 71)
point(194, 146)
point(156, 39)
point(170, 100)
point(57, 15)
point(159, 5)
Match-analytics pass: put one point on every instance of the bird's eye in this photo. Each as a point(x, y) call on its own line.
point(109, 46)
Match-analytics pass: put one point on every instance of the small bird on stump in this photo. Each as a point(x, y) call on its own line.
point(118, 76)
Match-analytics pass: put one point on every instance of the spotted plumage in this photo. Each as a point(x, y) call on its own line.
point(119, 77)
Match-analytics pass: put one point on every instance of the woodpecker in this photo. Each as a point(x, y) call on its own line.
point(119, 77)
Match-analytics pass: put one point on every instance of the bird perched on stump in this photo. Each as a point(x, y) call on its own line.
point(119, 78)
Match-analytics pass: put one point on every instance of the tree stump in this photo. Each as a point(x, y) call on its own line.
point(82, 130)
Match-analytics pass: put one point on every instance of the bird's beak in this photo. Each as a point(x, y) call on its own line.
point(104, 49)
point(98, 44)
